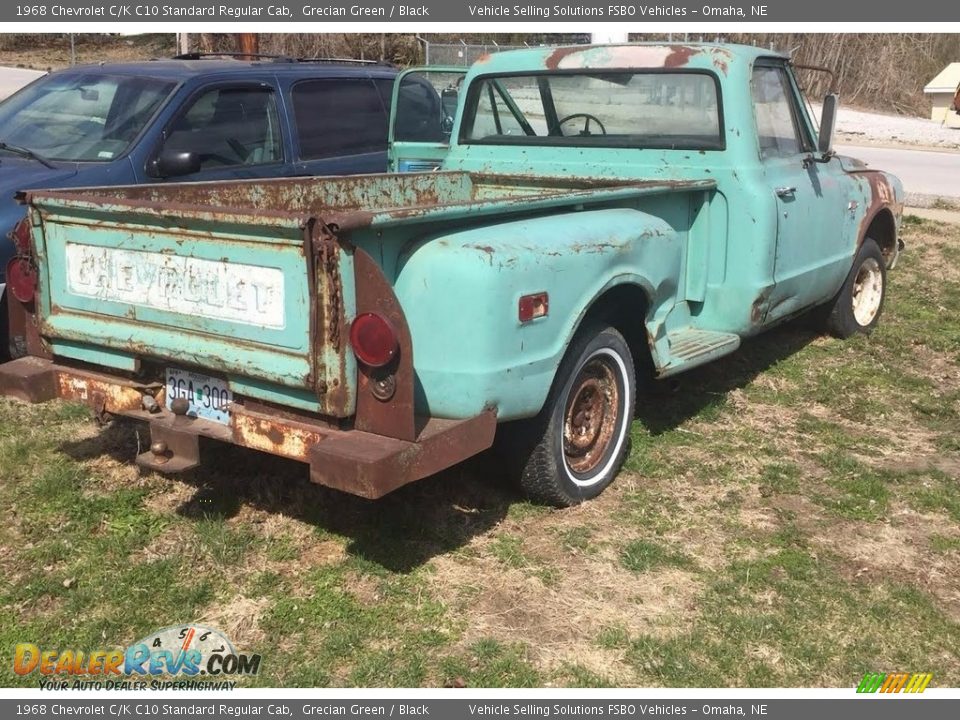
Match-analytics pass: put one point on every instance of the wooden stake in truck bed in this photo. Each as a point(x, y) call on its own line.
point(599, 209)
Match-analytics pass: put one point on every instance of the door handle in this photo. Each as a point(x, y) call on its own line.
point(785, 191)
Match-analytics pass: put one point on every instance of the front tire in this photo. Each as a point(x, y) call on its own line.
point(857, 307)
point(580, 439)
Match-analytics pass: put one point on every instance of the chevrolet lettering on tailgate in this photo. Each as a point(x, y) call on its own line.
point(190, 286)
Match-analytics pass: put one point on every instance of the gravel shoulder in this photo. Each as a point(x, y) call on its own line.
point(861, 127)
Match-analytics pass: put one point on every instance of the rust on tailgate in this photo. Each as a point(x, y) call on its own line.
point(328, 319)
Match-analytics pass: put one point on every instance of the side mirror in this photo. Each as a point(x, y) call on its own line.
point(449, 99)
point(174, 163)
point(828, 123)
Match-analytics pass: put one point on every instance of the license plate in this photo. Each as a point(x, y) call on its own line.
point(209, 397)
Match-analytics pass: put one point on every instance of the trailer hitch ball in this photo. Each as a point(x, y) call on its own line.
point(180, 406)
point(160, 451)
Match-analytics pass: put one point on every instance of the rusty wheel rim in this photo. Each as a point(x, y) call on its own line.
point(867, 292)
point(592, 414)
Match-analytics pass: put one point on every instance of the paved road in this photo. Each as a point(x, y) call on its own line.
point(12, 79)
point(924, 172)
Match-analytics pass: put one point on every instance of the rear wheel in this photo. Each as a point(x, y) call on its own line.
point(857, 307)
point(578, 443)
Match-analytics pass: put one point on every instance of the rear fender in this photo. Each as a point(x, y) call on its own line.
point(461, 292)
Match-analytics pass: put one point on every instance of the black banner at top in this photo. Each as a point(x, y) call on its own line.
point(476, 11)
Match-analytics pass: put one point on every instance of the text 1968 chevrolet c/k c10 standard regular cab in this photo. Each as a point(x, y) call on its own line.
point(598, 209)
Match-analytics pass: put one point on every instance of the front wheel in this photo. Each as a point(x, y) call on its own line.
point(857, 307)
point(580, 439)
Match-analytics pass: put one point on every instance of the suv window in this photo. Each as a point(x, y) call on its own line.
point(228, 127)
point(775, 113)
point(339, 117)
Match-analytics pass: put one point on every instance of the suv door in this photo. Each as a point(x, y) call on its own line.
point(224, 131)
point(341, 126)
point(423, 108)
point(814, 246)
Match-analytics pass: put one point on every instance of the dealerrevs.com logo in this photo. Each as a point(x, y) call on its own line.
point(204, 657)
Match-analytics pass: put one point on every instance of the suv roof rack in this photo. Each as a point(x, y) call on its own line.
point(276, 58)
point(201, 55)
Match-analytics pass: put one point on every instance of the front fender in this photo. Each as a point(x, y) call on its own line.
point(881, 199)
point(460, 293)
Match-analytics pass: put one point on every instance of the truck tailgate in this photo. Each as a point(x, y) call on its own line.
point(121, 284)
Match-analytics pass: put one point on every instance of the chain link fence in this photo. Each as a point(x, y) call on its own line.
point(461, 53)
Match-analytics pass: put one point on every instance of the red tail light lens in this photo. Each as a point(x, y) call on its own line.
point(22, 278)
point(374, 340)
point(21, 236)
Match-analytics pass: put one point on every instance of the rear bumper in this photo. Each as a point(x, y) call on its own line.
point(357, 462)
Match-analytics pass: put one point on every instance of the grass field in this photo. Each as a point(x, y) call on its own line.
point(788, 516)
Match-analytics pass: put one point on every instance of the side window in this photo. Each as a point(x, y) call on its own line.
point(773, 106)
point(229, 127)
point(339, 117)
point(419, 115)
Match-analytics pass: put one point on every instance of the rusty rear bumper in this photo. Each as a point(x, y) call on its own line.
point(353, 461)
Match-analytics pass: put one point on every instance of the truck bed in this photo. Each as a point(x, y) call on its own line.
point(363, 200)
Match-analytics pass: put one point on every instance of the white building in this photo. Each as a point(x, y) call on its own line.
point(941, 91)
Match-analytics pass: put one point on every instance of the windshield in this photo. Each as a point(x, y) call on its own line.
point(91, 117)
point(596, 108)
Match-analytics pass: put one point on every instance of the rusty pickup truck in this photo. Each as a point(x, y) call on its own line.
point(597, 210)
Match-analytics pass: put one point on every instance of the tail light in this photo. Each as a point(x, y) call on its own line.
point(21, 237)
point(373, 339)
point(21, 272)
point(22, 278)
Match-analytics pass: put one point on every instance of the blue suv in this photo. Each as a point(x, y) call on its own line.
point(191, 118)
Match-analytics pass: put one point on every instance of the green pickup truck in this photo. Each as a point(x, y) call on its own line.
point(598, 211)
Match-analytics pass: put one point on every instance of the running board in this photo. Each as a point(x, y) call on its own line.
point(689, 348)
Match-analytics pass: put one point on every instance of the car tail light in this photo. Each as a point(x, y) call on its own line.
point(21, 237)
point(22, 278)
point(373, 339)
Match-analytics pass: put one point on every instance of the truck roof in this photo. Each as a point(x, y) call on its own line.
point(181, 69)
point(628, 55)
